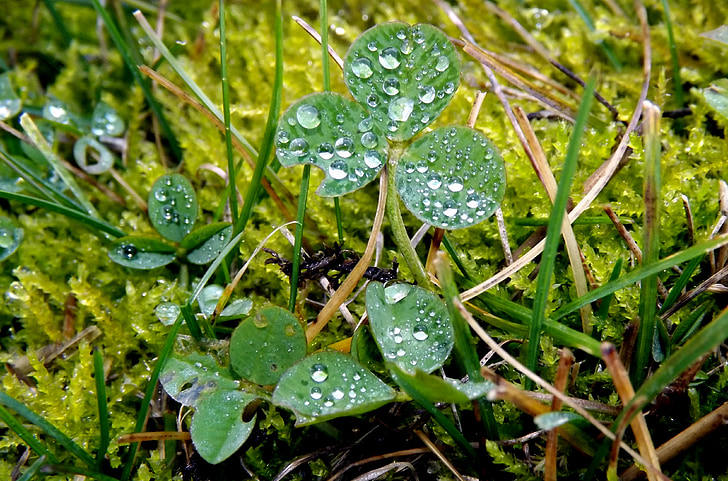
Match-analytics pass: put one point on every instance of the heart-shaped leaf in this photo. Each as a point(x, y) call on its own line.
point(104, 158)
point(437, 389)
point(186, 378)
point(206, 243)
point(141, 252)
point(10, 237)
point(328, 385)
point(404, 75)
point(453, 177)
point(265, 344)
point(410, 325)
point(336, 135)
point(10, 103)
point(172, 206)
point(217, 427)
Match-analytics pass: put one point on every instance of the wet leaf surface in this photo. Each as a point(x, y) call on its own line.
point(172, 206)
point(141, 252)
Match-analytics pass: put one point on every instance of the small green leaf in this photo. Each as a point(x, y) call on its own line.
point(167, 312)
point(106, 121)
point(172, 206)
point(555, 419)
point(186, 378)
point(719, 35)
point(328, 385)
point(104, 158)
point(209, 297)
point(404, 75)
point(10, 237)
point(453, 177)
point(208, 241)
point(141, 252)
point(266, 344)
point(437, 389)
point(10, 103)
point(717, 97)
point(336, 135)
point(217, 427)
point(236, 309)
point(410, 325)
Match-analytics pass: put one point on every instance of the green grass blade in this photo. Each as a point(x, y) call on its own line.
point(103, 406)
point(266, 147)
point(300, 215)
point(33, 469)
point(58, 21)
point(85, 219)
point(151, 389)
point(682, 281)
point(650, 244)
point(48, 428)
point(607, 300)
point(27, 437)
point(40, 143)
point(553, 234)
point(589, 22)
point(128, 58)
point(455, 258)
point(87, 473)
point(676, 80)
point(640, 273)
point(232, 192)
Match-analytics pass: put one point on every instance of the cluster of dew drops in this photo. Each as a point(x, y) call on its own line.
point(334, 152)
point(385, 90)
point(319, 374)
point(458, 194)
point(170, 214)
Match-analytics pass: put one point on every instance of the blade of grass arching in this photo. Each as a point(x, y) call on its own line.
point(680, 284)
point(79, 472)
point(589, 22)
point(58, 21)
point(266, 146)
point(27, 437)
point(149, 393)
point(33, 469)
point(640, 273)
point(464, 342)
point(48, 428)
point(651, 243)
point(454, 256)
point(676, 80)
point(298, 240)
point(607, 300)
point(86, 219)
point(127, 56)
point(553, 233)
point(100, 379)
point(40, 143)
point(232, 175)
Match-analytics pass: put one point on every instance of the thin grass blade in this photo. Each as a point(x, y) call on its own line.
point(231, 192)
point(33, 469)
point(100, 379)
point(18, 428)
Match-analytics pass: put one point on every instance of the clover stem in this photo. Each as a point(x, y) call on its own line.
point(399, 232)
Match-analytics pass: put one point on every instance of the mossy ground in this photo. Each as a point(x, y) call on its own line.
point(59, 260)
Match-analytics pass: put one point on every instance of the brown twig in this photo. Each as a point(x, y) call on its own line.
point(562, 376)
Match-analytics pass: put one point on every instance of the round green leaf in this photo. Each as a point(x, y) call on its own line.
point(328, 385)
point(410, 325)
point(187, 377)
point(404, 75)
point(453, 177)
point(80, 153)
point(266, 344)
point(336, 135)
point(172, 206)
point(141, 252)
point(209, 242)
point(10, 237)
point(105, 121)
point(217, 427)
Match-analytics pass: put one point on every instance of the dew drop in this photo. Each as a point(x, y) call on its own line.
point(260, 321)
point(299, 147)
point(340, 118)
point(442, 64)
point(372, 159)
point(449, 88)
point(433, 181)
point(366, 125)
point(282, 138)
point(422, 167)
point(290, 330)
point(316, 393)
point(328, 402)
point(406, 48)
point(362, 68)
point(455, 184)
point(128, 251)
point(401, 109)
point(401, 352)
point(308, 116)
point(396, 292)
point(372, 46)
point(338, 394)
point(319, 373)
point(389, 58)
point(420, 332)
point(426, 94)
point(356, 376)
point(326, 151)
point(337, 170)
point(472, 201)
point(161, 195)
point(372, 101)
point(391, 86)
point(398, 339)
point(449, 209)
point(344, 147)
point(369, 140)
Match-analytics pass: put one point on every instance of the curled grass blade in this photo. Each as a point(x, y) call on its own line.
point(553, 234)
point(48, 428)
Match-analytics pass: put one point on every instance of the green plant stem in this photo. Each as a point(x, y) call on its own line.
point(232, 175)
point(399, 232)
point(676, 80)
point(301, 214)
point(102, 405)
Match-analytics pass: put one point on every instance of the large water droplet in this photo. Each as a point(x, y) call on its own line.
point(326, 151)
point(366, 125)
point(372, 159)
point(442, 63)
point(344, 147)
point(420, 332)
point(56, 111)
point(337, 170)
point(105, 121)
point(433, 181)
point(362, 68)
point(161, 195)
point(338, 394)
point(391, 86)
point(426, 94)
point(356, 376)
point(308, 116)
point(128, 251)
point(449, 208)
point(449, 88)
point(299, 147)
point(472, 201)
point(396, 292)
point(372, 100)
point(369, 140)
point(401, 109)
point(455, 184)
point(282, 138)
point(316, 393)
point(389, 58)
point(319, 373)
